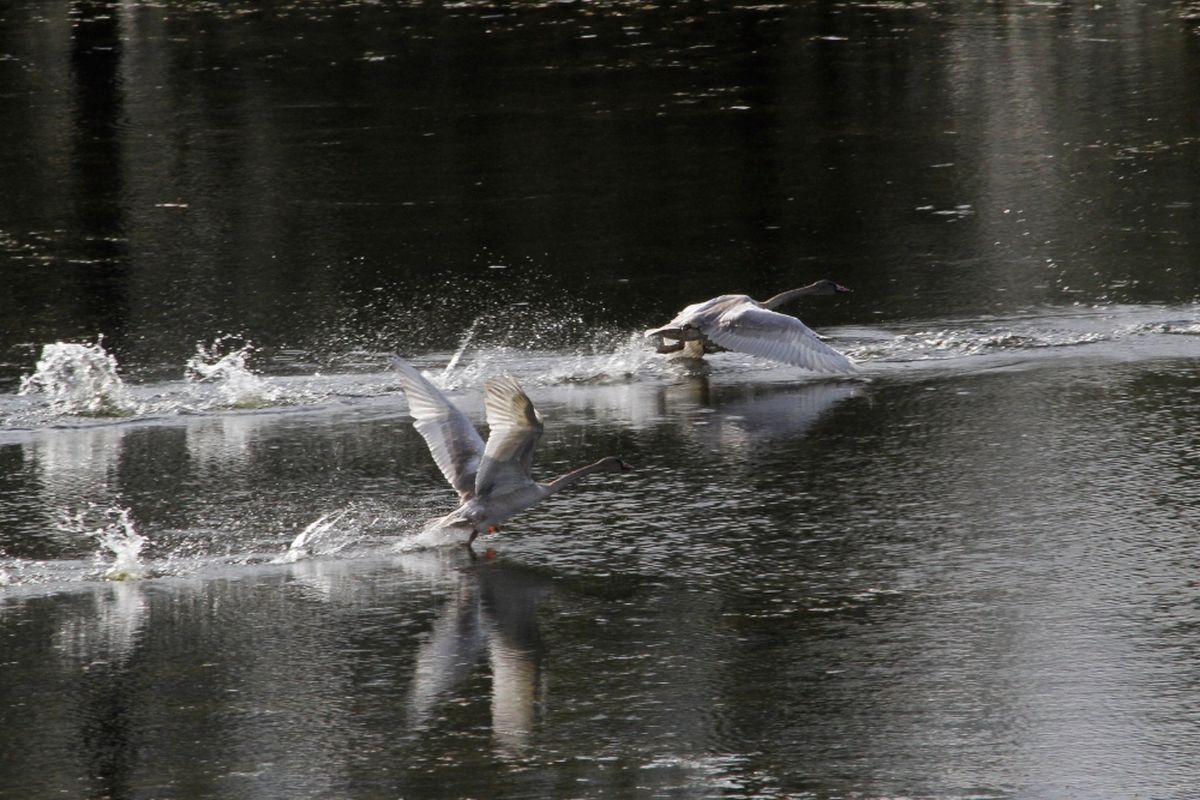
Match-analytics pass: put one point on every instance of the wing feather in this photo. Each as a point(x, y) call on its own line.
point(697, 315)
point(514, 429)
point(456, 446)
point(749, 328)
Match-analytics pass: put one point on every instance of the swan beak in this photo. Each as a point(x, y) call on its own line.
point(837, 287)
point(626, 466)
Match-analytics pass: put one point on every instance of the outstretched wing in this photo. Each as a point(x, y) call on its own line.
point(514, 429)
point(453, 441)
point(749, 328)
point(697, 315)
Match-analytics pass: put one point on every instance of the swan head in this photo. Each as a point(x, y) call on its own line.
point(614, 464)
point(826, 286)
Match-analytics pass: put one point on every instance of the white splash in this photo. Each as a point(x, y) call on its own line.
point(222, 364)
point(79, 379)
point(432, 535)
point(462, 348)
point(615, 360)
point(117, 535)
point(319, 537)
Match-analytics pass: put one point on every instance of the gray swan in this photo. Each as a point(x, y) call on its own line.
point(493, 480)
point(740, 323)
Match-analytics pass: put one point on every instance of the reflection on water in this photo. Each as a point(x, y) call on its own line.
point(107, 632)
point(493, 610)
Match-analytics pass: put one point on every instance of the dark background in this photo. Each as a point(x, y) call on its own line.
point(324, 178)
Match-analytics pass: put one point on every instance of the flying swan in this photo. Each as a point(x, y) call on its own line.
point(493, 481)
point(737, 322)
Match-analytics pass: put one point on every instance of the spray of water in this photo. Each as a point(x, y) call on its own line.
point(431, 535)
point(79, 379)
point(322, 536)
point(462, 348)
point(616, 357)
point(117, 536)
point(222, 365)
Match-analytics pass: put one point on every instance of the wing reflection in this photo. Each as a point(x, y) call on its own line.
point(494, 611)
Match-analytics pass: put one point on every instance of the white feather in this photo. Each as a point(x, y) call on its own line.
point(514, 428)
point(456, 446)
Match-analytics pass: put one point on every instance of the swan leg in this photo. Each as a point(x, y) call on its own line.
point(471, 540)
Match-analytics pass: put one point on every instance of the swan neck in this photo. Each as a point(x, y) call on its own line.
point(562, 482)
point(783, 297)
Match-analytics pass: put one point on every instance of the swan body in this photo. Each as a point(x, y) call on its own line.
point(494, 480)
point(741, 323)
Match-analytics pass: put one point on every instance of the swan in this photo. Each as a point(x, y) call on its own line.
point(493, 480)
point(737, 322)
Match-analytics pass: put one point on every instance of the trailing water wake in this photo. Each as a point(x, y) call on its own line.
point(80, 384)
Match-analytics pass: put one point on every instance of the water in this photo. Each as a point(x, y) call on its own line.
point(967, 571)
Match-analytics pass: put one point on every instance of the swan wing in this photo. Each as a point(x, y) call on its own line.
point(514, 429)
point(698, 315)
point(456, 446)
point(749, 328)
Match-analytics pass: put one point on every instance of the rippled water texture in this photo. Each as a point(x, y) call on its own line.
point(966, 571)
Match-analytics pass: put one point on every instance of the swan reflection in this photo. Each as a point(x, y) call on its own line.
point(493, 612)
point(738, 418)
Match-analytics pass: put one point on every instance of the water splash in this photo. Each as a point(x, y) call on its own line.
point(1183, 327)
point(359, 526)
point(462, 347)
point(320, 537)
point(616, 358)
point(222, 364)
point(950, 343)
point(79, 379)
point(432, 534)
point(116, 534)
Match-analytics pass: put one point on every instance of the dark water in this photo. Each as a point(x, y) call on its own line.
point(968, 572)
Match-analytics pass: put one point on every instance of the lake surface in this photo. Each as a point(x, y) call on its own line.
point(968, 571)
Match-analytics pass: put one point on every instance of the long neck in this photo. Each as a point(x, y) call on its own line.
point(560, 483)
point(783, 297)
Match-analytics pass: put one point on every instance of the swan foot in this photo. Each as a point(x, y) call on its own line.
point(494, 529)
